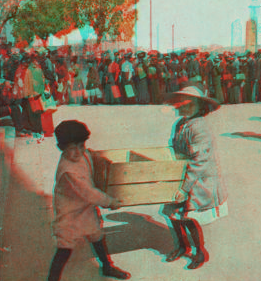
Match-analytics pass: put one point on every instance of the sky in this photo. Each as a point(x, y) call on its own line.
point(196, 23)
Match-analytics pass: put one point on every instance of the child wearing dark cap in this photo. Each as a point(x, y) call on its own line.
point(76, 200)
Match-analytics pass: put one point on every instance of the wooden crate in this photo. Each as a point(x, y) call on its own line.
point(139, 176)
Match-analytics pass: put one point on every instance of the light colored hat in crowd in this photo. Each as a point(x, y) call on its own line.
point(188, 92)
point(15, 51)
point(42, 51)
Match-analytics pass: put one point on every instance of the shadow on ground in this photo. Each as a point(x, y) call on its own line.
point(246, 135)
point(140, 232)
point(255, 118)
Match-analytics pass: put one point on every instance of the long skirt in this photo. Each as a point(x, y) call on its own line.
point(76, 93)
point(154, 89)
point(218, 93)
point(143, 92)
point(109, 97)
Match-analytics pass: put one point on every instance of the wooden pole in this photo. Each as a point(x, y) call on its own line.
point(173, 37)
point(150, 25)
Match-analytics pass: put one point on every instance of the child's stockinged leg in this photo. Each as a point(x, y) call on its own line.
point(108, 269)
point(58, 263)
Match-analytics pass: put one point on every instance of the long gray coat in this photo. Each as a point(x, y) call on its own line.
point(202, 177)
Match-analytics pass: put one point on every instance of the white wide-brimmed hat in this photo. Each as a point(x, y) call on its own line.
point(191, 91)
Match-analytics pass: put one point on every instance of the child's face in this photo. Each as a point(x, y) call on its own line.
point(74, 151)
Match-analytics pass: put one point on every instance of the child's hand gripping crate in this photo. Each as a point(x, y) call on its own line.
point(139, 176)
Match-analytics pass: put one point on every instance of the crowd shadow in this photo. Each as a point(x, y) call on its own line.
point(255, 118)
point(247, 135)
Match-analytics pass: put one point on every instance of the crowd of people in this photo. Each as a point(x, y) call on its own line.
point(118, 77)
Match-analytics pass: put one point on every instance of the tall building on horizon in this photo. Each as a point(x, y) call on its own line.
point(251, 27)
point(236, 33)
point(251, 35)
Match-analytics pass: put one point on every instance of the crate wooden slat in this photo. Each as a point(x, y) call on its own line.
point(139, 176)
point(144, 193)
point(149, 171)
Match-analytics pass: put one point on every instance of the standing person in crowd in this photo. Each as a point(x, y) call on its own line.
point(93, 86)
point(237, 79)
point(182, 66)
point(20, 93)
point(207, 66)
point(63, 78)
point(216, 80)
point(127, 74)
point(76, 202)
point(34, 86)
point(76, 87)
point(111, 73)
point(167, 60)
point(164, 74)
point(255, 83)
point(258, 75)
point(48, 70)
point(230, 81)
point(12, 109)
point(154, 74)
point(193, 67)
point(250, 76)
point(174, 72)
point(101, 69)
point(201, 197)
point(226, 76)
point(141, 73)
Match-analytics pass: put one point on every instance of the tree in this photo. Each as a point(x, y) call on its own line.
point(42, 18)
point(112, 18)
point(8, 10)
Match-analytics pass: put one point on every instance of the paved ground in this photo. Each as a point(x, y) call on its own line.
point(138, 237)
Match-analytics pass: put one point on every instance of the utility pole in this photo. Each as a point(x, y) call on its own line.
point(150, 25)
point(172, 37)
point(136, 35)
point(158, 37)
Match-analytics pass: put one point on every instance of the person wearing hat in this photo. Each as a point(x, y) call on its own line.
point(141, 73)
point(174, 65)
point(193, 67)
point(164, 74)
point(206, 66)
point(258, 75)
point(154, 74)
point(93, 94)
point(201, 198)
point(76, 87)
point(112, 90)
point(76, 201)
point(167, 60)
point(129, 92)
point(250, 77)
point(216, 79)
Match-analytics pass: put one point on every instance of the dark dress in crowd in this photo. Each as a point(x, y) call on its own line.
point(142, 83)
point(154, 74)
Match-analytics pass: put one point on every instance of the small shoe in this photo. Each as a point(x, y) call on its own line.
point(174, 255)
point(27, 132)
point(20, 134)
point(197, 261)
point(115, 272)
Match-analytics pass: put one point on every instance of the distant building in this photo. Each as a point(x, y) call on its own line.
point(251, 27)
point(236, 34)
point(251, 35)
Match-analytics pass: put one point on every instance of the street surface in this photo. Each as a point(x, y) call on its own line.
point(138, 237)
